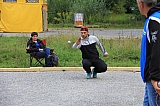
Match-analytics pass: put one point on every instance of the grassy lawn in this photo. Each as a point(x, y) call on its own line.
point(123, 52)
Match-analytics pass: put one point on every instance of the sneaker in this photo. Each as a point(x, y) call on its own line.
point(88, 75)
point(94, 73)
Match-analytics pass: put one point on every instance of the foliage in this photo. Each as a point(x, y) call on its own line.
point(112, 21)
point(57, 6)
point(122, 51)
point(95, 11)
point(64, 17)
point(130, 6)
point(119, 7)
point(62, 11)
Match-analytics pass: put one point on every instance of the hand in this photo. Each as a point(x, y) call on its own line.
point(105, 55)
point(27, 48)
point(155, 83)
point(40, 50)
point(78, 41)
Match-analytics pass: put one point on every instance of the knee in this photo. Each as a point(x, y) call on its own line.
point(85, 62)
point(47, 50)
point(85, 65)
point(104, 68)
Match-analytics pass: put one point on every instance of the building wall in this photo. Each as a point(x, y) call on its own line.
point(22, 16)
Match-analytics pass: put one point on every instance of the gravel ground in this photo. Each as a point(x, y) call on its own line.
point(70, 88)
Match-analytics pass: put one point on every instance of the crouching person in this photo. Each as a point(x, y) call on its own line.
point(90, 56)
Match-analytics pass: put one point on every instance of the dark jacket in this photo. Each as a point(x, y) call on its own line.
point(32, 45)
point(88, 47)
point(150, 52)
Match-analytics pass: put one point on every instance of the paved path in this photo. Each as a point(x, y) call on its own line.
point(70, 88)
point(103, 33)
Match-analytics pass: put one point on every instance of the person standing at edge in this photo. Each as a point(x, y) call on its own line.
point(87, 44)
point(150, 51)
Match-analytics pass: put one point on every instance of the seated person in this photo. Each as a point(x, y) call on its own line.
point(36, 46)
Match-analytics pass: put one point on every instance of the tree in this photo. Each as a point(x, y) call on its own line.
point(130, 6)
point(58, 6)
point(92, 9)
